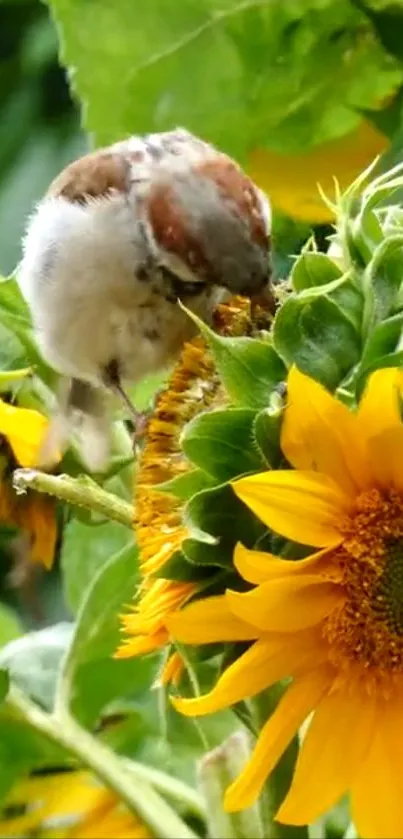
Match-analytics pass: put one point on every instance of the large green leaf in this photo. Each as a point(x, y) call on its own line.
point(91, 677)
point(85, 550)
point(33, 661)
point(240, 74)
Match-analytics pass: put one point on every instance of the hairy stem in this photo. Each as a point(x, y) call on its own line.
point(80, 492)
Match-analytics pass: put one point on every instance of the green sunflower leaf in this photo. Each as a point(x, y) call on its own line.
point(222, 443)
point(188, 484)
point(317, 336)
point(90, 676)
point(221, 517)
point(313, 269)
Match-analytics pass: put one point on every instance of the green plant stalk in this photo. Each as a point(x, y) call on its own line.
point(279, 782)
point(137, 794)
point(173, 788)
point(80, 492)
point(216, 771)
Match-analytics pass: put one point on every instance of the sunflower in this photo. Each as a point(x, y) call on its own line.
point(24, 431)
point(332, 622)
point(67, 805)
point(193, 387)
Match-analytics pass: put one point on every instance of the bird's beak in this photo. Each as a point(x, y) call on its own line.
point(265, 300)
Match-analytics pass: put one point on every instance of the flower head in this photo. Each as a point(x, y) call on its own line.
point(333, 622)
point(24, 430)
point(67, 805)
point(193, 387)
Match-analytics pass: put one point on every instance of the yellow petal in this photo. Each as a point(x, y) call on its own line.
point(207, 621)
point(296, 704)
point(385, 453)
point(259, 567)
point(320, 433)
point(379, 406)
point(25, 430)
point(267, 661)
point(302, 506)
point(171, 671)
point(337, 742)
point(141, 645)
point(376, 793)
point(287, 604)
point(37, 516)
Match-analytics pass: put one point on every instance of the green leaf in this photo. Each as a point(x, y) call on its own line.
point(4, 683)
point(250, 368)
point(384, 279)
point(384, 340)
point(33, 661)
point(222, 516)
point(186, 485)
point(10, 626)
point(313, 269)
point(173, 64)
point(222, 443)
point(387, 19)
point(91, 677)
point(394, 359)
point(317, 336)
point(85, 550)
point(266, 429)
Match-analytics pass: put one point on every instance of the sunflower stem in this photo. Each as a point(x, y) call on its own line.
point(136, 792)
point(80, 492)
point(279, 782)
point(215, 772)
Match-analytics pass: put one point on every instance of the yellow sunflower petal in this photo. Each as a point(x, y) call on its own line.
point(37, 515)
point(258, 567)
point(385, 453)
point(271, 658)
point(337, 741)
point(287, 604)
point(141, 645)
point(302, 506)
point(320, 433)
point(25, 430)
point(296, 704)
point(376, 794)
point(379, 407)
point(207, 621)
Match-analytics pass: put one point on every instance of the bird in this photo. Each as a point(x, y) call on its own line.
point(123, 235)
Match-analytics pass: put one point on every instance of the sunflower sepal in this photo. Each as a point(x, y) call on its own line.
point(266, 431)
point(317, 336)
point(222, 443)
point(217, 517)
point(183, 487)
point(313, 269)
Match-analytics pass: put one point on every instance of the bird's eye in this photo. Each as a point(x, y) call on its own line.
point(181, 288)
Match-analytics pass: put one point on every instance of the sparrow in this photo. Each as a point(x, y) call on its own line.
point(120, 237)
